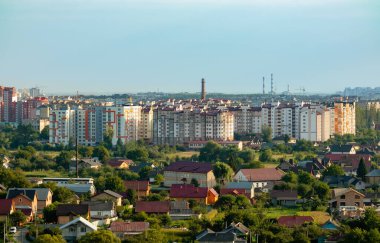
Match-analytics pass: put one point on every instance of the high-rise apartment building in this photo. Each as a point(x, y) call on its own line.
point(8, 105)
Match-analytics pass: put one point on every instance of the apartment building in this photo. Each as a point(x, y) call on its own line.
point(344, 117)
point(61, 125)
point(8, 99)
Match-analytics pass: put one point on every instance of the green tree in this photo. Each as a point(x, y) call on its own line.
point(223, 171)
point(131, 196)
point(333, 170)
point(144, 172)
point(63, 195)
point(194, 182)
point(138, 154)
point(266, 155)
point(102, 153)
point(210, 152)
point(64, 159)
point(362, 170)
point(49, 238)
point(225, 202)
point(107, 137)
point(44, 134)
point(99, 236)
point(248, 155)
point(266, 133)
point(86, 151)
point(114, 183)
point(17, 218)
point(50, 213)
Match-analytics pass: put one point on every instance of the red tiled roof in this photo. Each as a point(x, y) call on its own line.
point(136, 185)
point(129, 226)
point(187, 191)
point(292, 221)
point(263, 174)
point(5, 206)
point(191, 167)
point(152, 206)
point(119, 162)
point(232, 191)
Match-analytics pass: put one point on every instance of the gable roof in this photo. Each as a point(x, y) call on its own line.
point(42, 193)
point(187, 191)
point(219, 237)
point(28, 193)
point(291, 221)
point(129, 226)
point(341, 148)
point(289, 194)
point(232, 191)
point(112, 193)
point(373, 173)
point(5, 206)
point(247, 185)
point(152, 206)
point(68, 209)
point(190, 167)
point(81, 220)
point(118, 162)
point(337, 192)
point(99, 205)
point(350, 159)
point(136, 185)
point(263, 174)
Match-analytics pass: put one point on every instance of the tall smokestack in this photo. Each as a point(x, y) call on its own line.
point(203, 94)
point(271, 84)
point(263, 85)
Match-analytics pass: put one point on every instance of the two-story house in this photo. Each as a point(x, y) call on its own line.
point(203, 195)
point(263, 177)
point(142, 188)
point(183, 172)
point(24, 199)
point(73, 230)
point(108, 195)
point(67, 212)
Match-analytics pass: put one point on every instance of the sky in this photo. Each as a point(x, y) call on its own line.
point(128, 46)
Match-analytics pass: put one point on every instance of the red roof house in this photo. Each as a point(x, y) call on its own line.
point(189, 191)
point(141, 187)
point(152, 206)
point(350, 162)
point(261, 178)
point(294, 221)
point(120, 163)
point(128, 228)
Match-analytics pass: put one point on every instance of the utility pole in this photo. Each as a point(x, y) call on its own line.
point(76, 143)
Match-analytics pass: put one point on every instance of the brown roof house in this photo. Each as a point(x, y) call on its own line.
point(68, 212)
point(347, 201)
point(142, 188)
point(44, 196)
point(24, 199)
point(261, 178)
point(183, 172)
point(119, 163)
point(7, 207)
point(286, 198)
point(157, 207)
point(108, 195)
point(121, 229)
point(294, 221)
point(204, 195)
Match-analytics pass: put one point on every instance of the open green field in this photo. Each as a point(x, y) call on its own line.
point(318, 216)
point(185, 154)
point(45, 173)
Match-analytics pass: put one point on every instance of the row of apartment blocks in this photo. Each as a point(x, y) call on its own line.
point(33, 110)
point(180, 123)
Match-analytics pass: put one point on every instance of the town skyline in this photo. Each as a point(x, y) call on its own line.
point(138, 46)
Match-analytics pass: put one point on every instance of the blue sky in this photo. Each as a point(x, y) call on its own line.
point(115, 46)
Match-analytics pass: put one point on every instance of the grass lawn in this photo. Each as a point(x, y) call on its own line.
point(270, 165)
point(52, 154)
point(277, 212)
point(44, 173)
point(177, 235)
point(318, 216)
point(186, 154)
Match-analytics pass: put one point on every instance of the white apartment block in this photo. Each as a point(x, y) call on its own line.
point(61, 126)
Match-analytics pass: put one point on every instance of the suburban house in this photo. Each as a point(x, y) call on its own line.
point(342, 149)
point(142, 188)
point(224, 237)
point(44, 196)
point(247, 186)
point(121, 229)
point(183, 172)
point(67, 212)
point(343, 197)
point(108, 195)
point(232, 191)
point(76, 228)
point(263, 177)
point(24, 199)
point(344, 181)
point(181, 210)
point(7, 207)
point(78, 185)
point(157, 207)
point(188, 191)
point(373, 177)
point(101, 209)
point(294, 221)
point(119, 163)
point(284, 197)
point(93, 163)
point(350, 162)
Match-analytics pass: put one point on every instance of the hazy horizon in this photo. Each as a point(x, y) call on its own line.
point(131, 46)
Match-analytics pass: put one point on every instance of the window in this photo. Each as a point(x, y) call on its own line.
point(72, 229)
point(342, 204)
point(343, 197)
point(82, 229)
point(357, 197)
